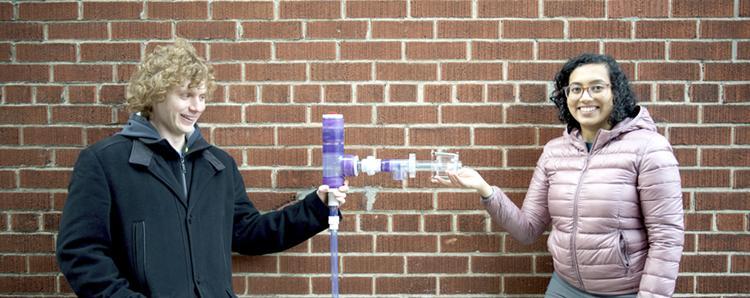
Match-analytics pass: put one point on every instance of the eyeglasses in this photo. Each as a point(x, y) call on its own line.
point(576, 91)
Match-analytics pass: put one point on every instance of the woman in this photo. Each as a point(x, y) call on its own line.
point(610, 186)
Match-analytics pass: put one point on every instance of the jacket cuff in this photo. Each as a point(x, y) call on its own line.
point(321, 210)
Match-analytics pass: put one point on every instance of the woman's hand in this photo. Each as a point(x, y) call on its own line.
point(466, 178)
point(339, 194)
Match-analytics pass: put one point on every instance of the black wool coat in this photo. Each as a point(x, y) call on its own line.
point(129, 230)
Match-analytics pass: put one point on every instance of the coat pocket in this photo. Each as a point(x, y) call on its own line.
point(139, 252)
point(623, 251)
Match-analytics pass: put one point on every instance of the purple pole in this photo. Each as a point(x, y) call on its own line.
point(333, 150)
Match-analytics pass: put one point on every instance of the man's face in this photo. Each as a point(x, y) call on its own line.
point(176, 116)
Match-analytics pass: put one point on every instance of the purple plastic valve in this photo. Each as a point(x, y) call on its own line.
point(333, 150)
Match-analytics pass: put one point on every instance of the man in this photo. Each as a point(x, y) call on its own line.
point(155, 210)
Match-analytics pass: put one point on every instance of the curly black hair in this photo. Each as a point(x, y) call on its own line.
point(623, 105)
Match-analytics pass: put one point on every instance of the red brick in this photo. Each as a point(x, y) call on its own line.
point(469, 93)
point(24, 157)
point(705, 92)
point(730, 222)
point(44, 178)
point(723, 284)
point(501, 264)
point(264, 286)
point(673, 113)
point(576, 8)
point(242, 10)
point(472, 114)
point(177, 10)
point(5, 52)
point(306, 51)
point(275, 72)
point(727, 72)
point(17, 94)
point(669, 71)
point(307, 93)
point(406, 71)
point(405, 223)
point(82, 114)
point(402, 29)
point(373, 264)
point(641, 9)
point(12, 264)
point(49, 94)
point(504, 136)
point(48, 11)
point(27, 284)
point(472, 222)
point(274, 114)
point(24, 222)
point(374, 136)
point(441, 8)
point(435, 50)
point(502, 51)
point(726, 114)
point(745, 8)
point(22, 31)
point(257, 178)
point(43, 263)
point(403, 201)
point(532, 114)
point(405, 285)
point(686, 156)
point(272, 30)
point(274, 94)
point(45, 52)
point(437, 93)
point(740, 263)
point(742, 135)
point(600, 29)
point(533, 71)
point(309, 9)
point(532, 29)
point(665, 29)
point(300, 135)
point(228, 72)
point(741, 179)
point(352, 114)
point(298, 179)
point(532, 93)
point(222, 114)
point(472, 71)
point(23, 114)
point(350, 285)
point(437, 264)
point(726, 157)
point(9, 135)
point(27, 243)
point(500, 93)
point(725, 29)
point(700, 135)
point(403, 93)
point(340, 72)
point(398, 243)
point(429, 136)
point(525, 284)
point(635, 50)
point(407, 114)
point(112, 94)
point(470, 285)
point(81, 31)
point(736, 93)
point(24, 73)
point(703, 263)
point(698, 8)
point(110, 52)
point(240, 51)
point(112, 11)
point(242, 93)
point(473, 243)
point(374, 222)
point(303, 264)
point(6, 13)
point(242, 263)
point(243, 136)
point(337, 93)
point(671, 92)
point(370, 50)
point(206, 30)
point(83, 73)
point(370, 93)
point(700, 50)
point(508, 8)
point(337, 29)
point(376, 9)
point(705, 178)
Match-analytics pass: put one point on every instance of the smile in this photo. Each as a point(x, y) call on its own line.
point(588, 109)
point(188, 118)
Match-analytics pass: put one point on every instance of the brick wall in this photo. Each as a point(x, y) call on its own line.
point(409, 76)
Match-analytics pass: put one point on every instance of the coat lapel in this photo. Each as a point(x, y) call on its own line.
point(140, 154)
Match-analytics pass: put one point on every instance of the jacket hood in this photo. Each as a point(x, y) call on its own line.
point(642, 121)
point(139, 127)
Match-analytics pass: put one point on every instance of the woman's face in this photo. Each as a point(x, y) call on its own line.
point(589, 97)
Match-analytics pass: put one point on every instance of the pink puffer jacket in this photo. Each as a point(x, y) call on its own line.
point(616, 211)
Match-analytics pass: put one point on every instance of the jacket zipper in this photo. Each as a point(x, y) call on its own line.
point(573, 235)
point(184, 172)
